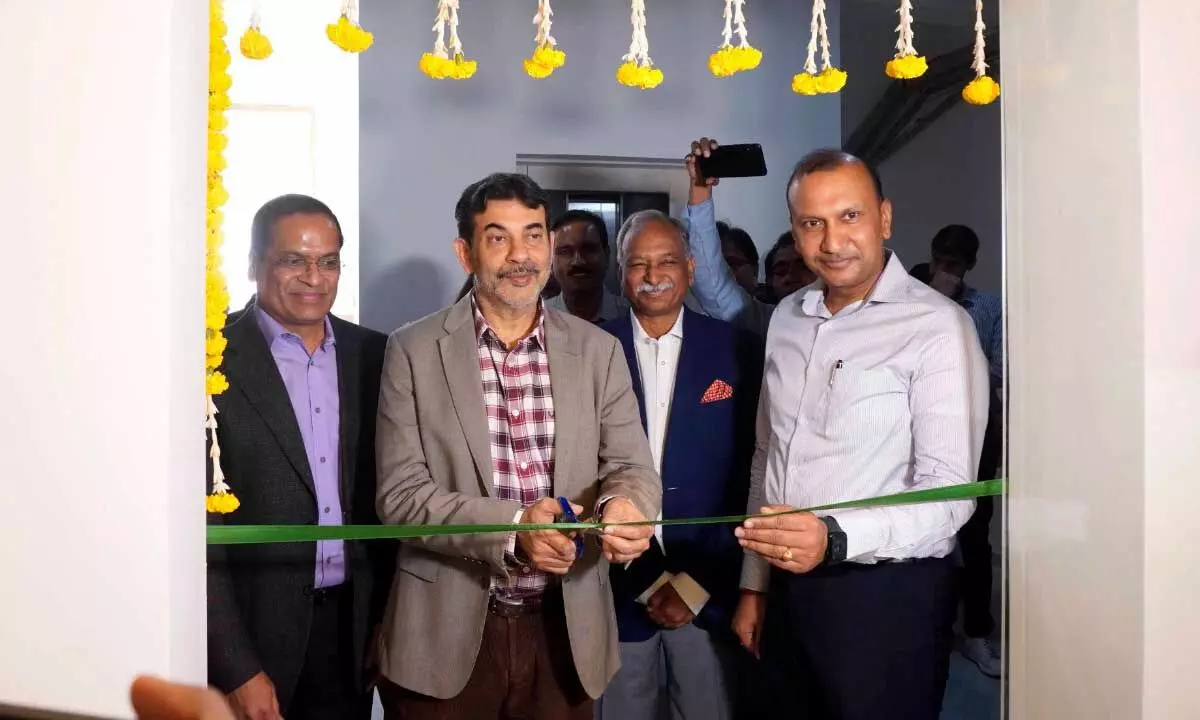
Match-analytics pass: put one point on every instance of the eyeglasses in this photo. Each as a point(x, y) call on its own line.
point(294, 264)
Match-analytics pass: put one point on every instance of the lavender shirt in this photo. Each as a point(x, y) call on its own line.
point(312, 387)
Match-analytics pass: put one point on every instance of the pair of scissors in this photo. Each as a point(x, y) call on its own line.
point(570, 517)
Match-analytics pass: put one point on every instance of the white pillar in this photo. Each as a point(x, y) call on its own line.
point(102, 166)
point(1102, 171)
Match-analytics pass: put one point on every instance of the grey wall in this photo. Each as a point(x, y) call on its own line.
point(422, 141)
point(951, 173)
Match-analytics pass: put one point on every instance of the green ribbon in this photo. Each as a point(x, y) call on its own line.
point(258, 534)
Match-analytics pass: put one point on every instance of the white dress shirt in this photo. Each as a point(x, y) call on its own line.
point(658, 361)
point(888, 395)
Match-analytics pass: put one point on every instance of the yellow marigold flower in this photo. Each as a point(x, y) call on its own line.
point(549, 56)
point(536, 69)
point(214, 319)
point(217, 196)
point(255, 44)
point(216, 161)
point(831, 80)
point(906, 67)
point(221, 503)
point(440, 68)
point(728, 60)
point(218, 101)
point(215, 383)
point(217, 28)
point(805, 84)
point(219, 81)
point(215, 220)
point(217, 142)
point(214, 343)
point(545, 60)
point(217, 122)
point(348, 35)
point(981, 91)
point(644, 77)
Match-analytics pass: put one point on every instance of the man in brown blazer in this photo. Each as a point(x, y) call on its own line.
point(489, 410)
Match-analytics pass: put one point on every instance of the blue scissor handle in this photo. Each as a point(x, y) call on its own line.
point(569, 516)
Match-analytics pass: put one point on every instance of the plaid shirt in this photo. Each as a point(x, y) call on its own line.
point(520, 412)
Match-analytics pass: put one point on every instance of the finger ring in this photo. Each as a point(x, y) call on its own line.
point(787, 555)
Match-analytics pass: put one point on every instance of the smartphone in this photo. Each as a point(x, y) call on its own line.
point(729, 161)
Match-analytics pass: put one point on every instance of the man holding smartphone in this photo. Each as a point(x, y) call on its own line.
point(714, 286)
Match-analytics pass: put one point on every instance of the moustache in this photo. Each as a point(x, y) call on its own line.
point(522, 269)
point(655, 288)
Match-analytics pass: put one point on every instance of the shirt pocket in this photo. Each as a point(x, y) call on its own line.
point(864, 403)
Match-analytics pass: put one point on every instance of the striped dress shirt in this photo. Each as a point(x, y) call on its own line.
point(888, 395)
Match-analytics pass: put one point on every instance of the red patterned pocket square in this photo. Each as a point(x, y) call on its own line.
point(719, 390)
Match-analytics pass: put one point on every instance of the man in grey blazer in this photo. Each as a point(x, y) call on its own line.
point(488, 411)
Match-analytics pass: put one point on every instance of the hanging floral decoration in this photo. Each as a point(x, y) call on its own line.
point(346, 33)
point(443, 63)
point(982, 90)
point(637, 69)
point(254, 43)
point(906, 64)
point(830, 79)
point(546, 56)
point(216, 295)
point(730, 59)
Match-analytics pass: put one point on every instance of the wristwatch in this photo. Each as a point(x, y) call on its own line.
point(835, 549)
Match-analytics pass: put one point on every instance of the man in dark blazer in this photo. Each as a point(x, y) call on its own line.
point(289, 624)
point(696, 381)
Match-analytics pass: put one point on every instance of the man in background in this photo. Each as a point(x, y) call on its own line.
point(580, 264)
point(696, 381)
point(715, 288)
point(740, 255)
point(953, 252)
point(289, 624)
point(786, 270)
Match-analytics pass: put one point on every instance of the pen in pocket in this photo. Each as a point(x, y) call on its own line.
point(833, 373)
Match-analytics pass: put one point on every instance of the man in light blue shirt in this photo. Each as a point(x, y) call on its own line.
point(715, 288)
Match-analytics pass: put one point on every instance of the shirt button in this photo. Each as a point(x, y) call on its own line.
point(524, 571)
point(662, 404)
point(322, 460)
point(326, 510)
point(524, 466)
point(318, 411)
point(662, 362)
point(515, 412)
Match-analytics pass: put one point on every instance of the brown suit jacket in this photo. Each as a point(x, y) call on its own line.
point(435, 467)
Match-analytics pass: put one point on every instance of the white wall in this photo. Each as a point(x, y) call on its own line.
point(423, 141)
point(951, 173)
point(102, 195)
point(1101, 168)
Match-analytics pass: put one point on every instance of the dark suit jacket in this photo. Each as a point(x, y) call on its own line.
point(705, 470)
point(259, 607)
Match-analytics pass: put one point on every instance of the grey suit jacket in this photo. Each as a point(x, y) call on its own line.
point(435, 466)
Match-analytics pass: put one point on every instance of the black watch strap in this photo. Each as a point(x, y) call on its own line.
point(835, 549)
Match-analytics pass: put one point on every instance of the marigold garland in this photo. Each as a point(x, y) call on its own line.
point(216, 294)
point(254, 43)
point(830, 79)
point(346, 33)
point(637, 69)
point(730, 59)
point(982, 90)
point(906, 64)
point(446, 63)
point(546, 56)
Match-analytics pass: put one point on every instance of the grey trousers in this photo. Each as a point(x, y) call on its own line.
point(678, 674)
